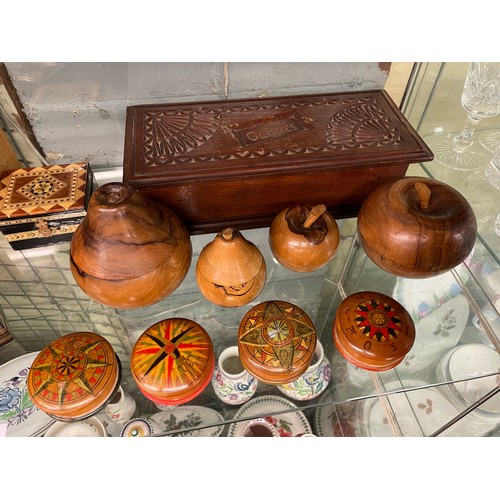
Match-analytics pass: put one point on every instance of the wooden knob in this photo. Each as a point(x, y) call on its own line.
point(424, 195)
point(315, 213)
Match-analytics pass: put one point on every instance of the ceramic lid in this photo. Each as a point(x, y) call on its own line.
point(373, 331)
point(74, 376)
point(172, 361)
point(276, 341)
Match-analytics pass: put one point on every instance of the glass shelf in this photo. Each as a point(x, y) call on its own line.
point(40, 301)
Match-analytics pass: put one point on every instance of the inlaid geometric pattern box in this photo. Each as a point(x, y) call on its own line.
point(43, 205)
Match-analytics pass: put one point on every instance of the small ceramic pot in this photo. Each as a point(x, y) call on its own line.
point(121, 408)
point(259, 427)
point(314, 380)
point(140, 427)
point(231, 382)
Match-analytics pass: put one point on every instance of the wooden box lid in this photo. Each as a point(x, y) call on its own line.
point(276, 342)
point(172, 361)
point(75, 376)
point(373, 331)
point(236, 149)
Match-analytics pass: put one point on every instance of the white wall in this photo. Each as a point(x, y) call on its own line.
point(77, 110)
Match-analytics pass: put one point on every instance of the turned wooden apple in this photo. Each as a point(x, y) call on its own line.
point(416, 227)
point(304, 238)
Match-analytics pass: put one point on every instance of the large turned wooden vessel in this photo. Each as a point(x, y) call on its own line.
point(128, 251)
point(417, 227)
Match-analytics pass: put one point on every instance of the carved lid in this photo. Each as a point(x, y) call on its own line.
point(373, 331)
point(172, 361)
point(75, 376)
point(276, 341)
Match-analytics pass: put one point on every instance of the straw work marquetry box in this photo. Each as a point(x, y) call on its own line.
point(238, 163)
point(43, 205)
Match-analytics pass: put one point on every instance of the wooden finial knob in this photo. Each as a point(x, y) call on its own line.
point(316, 212)
point(424, 195)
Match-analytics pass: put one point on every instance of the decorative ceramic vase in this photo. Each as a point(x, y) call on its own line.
point(128, 251)
point(121, 407)
point(231, 271)
point(231, 382)
point(304, 238)
point(276, 341)
point(75, 376)
point(416, 227)
point(313, 381)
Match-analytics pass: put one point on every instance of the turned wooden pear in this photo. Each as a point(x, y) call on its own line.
point(231, 271)
point(128, 251)
point(304, 238)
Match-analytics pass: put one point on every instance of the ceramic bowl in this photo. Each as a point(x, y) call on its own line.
point(466, 362)
point(90, 427)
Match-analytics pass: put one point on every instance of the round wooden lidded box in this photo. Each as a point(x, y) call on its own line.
point(373, 331)
point(276, 342)
point(75, 376)
point(172, 361)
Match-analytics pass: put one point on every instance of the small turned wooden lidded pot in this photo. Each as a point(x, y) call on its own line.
point(276, 342)
point(373, 331)
point(304, 238)
point(172, 361)
point(416, 227)
point(230, 271)
point(75, 376)
point(128, 251)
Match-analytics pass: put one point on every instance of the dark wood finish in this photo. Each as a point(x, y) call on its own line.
point(373, 331)
point(128, 251)
point(417, 227)
point(238, 163)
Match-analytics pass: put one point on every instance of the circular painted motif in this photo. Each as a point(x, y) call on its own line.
point(74, 376)
point(276, 341)
point(373, 331)
point(172, 361)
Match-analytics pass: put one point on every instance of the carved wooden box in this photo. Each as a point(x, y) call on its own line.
point(240, 162)
point(43, 205)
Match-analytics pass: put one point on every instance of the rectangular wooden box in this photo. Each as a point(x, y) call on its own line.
point(237, 163)
point(43, 205)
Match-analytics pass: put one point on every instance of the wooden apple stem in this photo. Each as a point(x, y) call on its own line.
point(424, 195)
point(316, 212)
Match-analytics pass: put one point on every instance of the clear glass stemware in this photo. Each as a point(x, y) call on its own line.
point(480, 99)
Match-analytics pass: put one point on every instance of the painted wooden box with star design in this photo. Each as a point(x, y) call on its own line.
point(238, 163)
point(43, 205)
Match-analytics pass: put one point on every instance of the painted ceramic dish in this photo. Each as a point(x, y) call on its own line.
point(289, 424)
point(139, 427)
point(188, 417)
point(466, 362)
point(17, 412)
point(276, 342)
point(90, 427)
point(172, 361)
point(335, 420)
point(373, 331)
point(418, 412)
point(436, 334)
point(75, 376)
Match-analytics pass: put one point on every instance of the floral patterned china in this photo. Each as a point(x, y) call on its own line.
point(289, 424)
point(17, 412)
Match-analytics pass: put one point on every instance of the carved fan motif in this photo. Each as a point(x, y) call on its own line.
point(168, 134)
point(361, 125)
